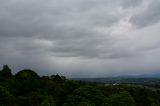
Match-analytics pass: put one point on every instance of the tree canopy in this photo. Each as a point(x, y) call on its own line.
point(27, 88)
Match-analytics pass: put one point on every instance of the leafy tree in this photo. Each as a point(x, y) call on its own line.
point(85, 103)
point(122, 99)
point(4, 96)
point(48, 101)
point(86, 93)
point(26, 81)
point(6, 72)
point(154, 104)
point(57, 78)
point(27, 74)
point(27, 88)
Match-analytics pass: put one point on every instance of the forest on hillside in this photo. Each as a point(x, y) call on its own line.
point(27, 88)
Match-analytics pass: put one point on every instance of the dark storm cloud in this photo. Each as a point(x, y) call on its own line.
point(32, 18)
point(79, 37)
point(71, 30)
point(149, 16)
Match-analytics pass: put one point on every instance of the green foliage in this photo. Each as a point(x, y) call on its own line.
point(4, 95)
point(27, 88)
point(85, 103)
point(26, 81)
point(5, 73)
point(58, 77)
point(48, 101)
point(26, 74)
point(122, 99)
point(90, 94)
point(155, 104)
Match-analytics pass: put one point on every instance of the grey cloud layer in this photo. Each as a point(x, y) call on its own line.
point(149, 16)
point(78, 37)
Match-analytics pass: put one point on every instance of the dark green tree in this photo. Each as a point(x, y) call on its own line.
point(6, 72)
point(26, 81)
point(85, 103)
point(4, 96)
point(26, 74)
point(48, 101)
point(86, 95)
point(122, 99)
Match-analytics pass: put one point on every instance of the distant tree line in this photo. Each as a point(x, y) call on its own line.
point(27, 88)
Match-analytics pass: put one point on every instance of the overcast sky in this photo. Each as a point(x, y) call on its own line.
point(81, 38)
